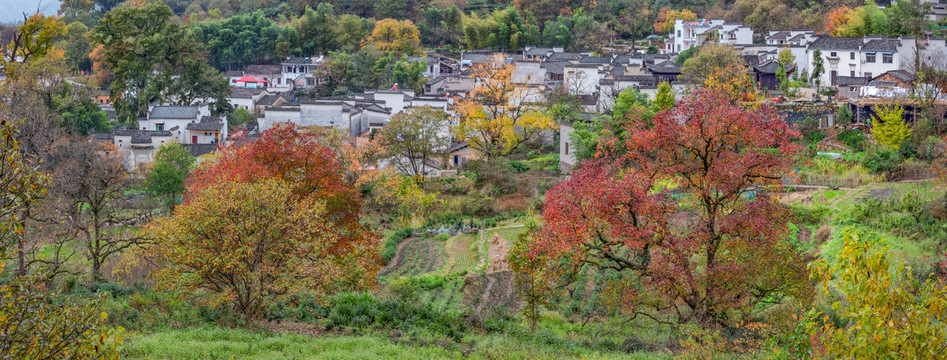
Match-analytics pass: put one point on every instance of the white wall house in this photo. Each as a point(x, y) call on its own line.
point(168, 118)
point(690, 33)
point(856, 57)
point(137, 146)
point(298, 71)
point(790, 37)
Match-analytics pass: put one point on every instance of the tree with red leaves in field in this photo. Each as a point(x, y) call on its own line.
point(710, 252)
point(265, 219)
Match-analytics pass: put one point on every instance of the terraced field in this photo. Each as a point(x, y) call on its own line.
point(416, 257)
point(459, 254)
point(462, 254)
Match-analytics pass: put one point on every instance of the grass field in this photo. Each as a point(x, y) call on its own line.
point(219, 343)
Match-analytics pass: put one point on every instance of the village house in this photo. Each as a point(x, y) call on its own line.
point(299, 72)
point(691, 33)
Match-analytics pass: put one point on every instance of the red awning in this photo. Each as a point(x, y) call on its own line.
point(250, 79)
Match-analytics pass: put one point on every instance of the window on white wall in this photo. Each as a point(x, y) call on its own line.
point(852, 55)
point(870, 57)
point(887, 58)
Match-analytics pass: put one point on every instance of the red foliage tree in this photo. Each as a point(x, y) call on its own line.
point(312, 170)
point(710, 251)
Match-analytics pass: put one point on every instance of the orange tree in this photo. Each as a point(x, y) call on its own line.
point(499, 115)
point(714, 252)
point(267, 218)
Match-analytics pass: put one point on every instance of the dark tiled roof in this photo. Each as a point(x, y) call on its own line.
point(780, 35)
point(300, 60)
point(537, 51)
point(902, 75)
point(234, 73)
point(850, 80)
point(199, 149)
point(174, 112)
point(666, 67)
point(245, 93)
point(595, 60)
point(103, 136)
point(207, 123)
point(263, 69)
point(771, 67)
point(554, 67)
point(268, 99)
point(638, 78)
point(836, 43)
point(142, 136)
point(881, 83)
point(563, 56)
point(881, 45)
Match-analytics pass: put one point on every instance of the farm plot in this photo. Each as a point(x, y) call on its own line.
point(462, 254)
point(415, 257)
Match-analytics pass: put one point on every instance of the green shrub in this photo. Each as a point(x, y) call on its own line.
point(908, 149)
point(854, 139)
point(882, 161)
point(362, 310)
point(519, 167)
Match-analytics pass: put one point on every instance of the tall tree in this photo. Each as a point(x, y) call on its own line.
point(818, 68)
point(249, 244)
point(167, 176)
point(87, 184)
point(395, 37)
point(714, 265)
point(317, 30)
point(415, 138)
point(312, 170)
point(497, 117)
point(889, 127)
point(154, 60)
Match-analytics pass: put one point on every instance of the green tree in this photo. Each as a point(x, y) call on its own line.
point(664, 98)
point(154, 60)
point(415, 138)
point(889, 127)
point(238, 117)
point(785, 60)
point(889, 314)
point(317, 30)
point(652, 49)
point(166, 178)
point(686, 54)
point(632, 98)
point(818, 68)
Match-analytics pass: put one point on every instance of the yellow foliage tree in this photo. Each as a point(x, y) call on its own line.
point(498, 115)
point(396, 37)
point(889, 128)
point(889, 315)
point(721, 68)
point(666, 18)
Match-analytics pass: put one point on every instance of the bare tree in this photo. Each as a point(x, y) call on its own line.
point(88, 185)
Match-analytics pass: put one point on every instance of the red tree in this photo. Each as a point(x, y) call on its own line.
point(707, 252)
point(312, 170)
